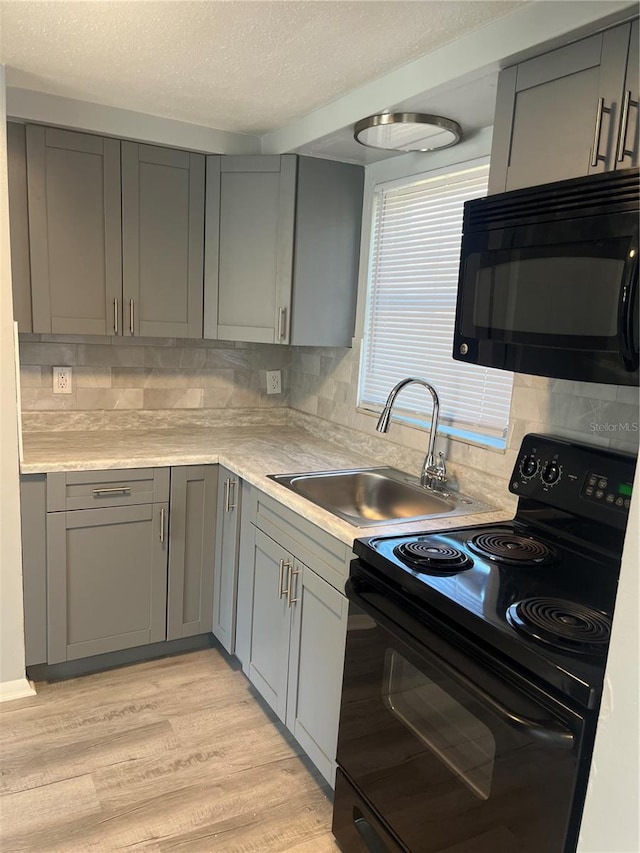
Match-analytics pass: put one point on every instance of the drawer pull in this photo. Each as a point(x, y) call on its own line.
point(113, 490)
point(600, 109)
point(229, 484)
point(281, 567)
point(623, 151)
point(293, 573)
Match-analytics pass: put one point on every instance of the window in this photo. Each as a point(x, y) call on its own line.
point(413, 280)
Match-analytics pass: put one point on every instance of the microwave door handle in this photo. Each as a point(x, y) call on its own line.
point(628, 346)
point(547, 732)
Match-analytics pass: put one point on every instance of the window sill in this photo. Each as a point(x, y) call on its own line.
point(486, 442)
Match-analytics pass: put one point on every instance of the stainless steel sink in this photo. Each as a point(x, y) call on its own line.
point(373, 496)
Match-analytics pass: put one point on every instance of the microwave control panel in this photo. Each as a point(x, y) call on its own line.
point(584, 480)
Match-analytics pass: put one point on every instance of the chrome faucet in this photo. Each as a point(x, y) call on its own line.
point(433, 475)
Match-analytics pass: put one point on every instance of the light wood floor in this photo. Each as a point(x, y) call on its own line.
point(172, 754)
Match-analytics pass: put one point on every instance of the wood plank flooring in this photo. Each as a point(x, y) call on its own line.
point(176, 754)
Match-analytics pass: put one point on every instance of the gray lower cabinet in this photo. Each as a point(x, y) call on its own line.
point(192, 535)
point(225, 566)
point(282, 249)
point(162, 241)
point(292, 617)
point(106, 579)
point(560, 115)
point(74, 231)
point(316, 659)
point(116, 559)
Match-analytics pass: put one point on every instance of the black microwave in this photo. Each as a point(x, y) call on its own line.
point(548, 280)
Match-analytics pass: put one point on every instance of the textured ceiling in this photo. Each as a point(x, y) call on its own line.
point(248, 67)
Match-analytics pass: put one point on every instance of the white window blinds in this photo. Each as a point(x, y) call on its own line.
point(413, 280)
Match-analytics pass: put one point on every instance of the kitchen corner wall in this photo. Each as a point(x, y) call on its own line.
point(324, 382)
point(149, 373)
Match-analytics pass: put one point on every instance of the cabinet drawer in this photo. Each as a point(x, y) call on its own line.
point(313, 546)
point(93, 489)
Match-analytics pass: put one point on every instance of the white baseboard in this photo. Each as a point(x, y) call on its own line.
point(18, 689)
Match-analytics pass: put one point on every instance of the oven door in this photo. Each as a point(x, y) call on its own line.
point(450, 754)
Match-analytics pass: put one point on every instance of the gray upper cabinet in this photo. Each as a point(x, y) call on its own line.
point(225, 570)
point(75, 231)
point(19, 225)
point(162, 241)
point(191, 550)
point(281, 249)
point(559, 115)
point(115, 236)
point(627, 151)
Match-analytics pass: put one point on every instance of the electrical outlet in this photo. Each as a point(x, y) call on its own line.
point(62, 380)
point(274, 382)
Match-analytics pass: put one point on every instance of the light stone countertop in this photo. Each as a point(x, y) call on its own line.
point(251, 451)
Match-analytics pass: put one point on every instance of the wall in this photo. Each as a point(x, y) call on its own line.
point(12, 681)
point(611, 822)
point(158, 373)
point(324, 383)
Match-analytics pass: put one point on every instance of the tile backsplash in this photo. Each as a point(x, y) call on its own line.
point(158, 373)
point(324, 382)
point(161, 374)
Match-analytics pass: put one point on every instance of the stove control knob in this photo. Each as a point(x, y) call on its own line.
point(529, 467)
point(551, 473)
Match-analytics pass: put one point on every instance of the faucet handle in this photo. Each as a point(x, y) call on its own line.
point(443, 465)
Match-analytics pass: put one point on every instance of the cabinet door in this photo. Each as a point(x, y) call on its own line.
point(162, 241)
point(75, 232)
point(191, 550)
point(315, 670)
point(547, 113)
point(19, 225)
point(225, 572)
point(627, 153)
point(33, 513)
point(248, 269)
point(271, 622)
point(106, 580)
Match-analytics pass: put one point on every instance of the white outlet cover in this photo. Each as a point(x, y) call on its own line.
point(62, 380)
point(274, 382)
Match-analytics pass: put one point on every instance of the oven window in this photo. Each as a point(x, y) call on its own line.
point(442, 724)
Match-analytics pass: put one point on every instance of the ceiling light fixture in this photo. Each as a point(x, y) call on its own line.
point(407, 132)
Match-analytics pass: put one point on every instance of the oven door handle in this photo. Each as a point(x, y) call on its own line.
point(547, 731)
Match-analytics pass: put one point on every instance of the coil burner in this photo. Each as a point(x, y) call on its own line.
point(431, 558)
point(567, 626)
point(506, 547)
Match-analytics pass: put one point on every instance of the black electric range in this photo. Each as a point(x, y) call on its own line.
point(475, 664)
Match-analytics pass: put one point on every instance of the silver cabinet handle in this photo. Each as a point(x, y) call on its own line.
point(113, 490)
point(595, 156)
point(230, 487)
point(282, 323)
point(131, 316)
point(163, 513)
point(624, 124)
point(283, 564)
point(115, 315)
point(293, 573)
